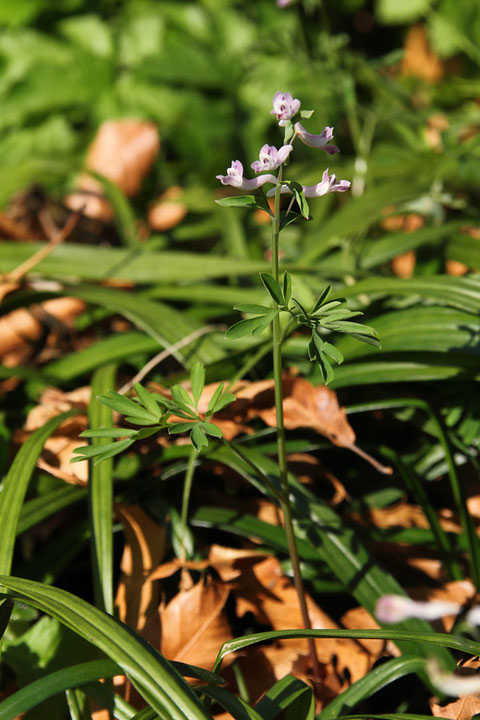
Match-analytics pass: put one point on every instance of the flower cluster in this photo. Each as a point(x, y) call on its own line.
point(285, 107)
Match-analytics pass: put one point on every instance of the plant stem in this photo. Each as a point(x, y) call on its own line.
point(187, 487)
point(281, 449)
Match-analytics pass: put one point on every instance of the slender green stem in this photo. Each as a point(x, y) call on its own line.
point(187, 487)
point(281, 448)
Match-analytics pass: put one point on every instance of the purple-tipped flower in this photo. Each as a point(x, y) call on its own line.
point(395, 608)
point(317, 141)
point(284, 107)
point(271, 158)
point(283, 3)
point(327, 185)
point(234, 177)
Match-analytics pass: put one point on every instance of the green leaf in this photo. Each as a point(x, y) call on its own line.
point(125, 406)
point(224, 401)
point(322, 299)
point(281, 696)
point(90, 451)
point(267, 321)
point(238, 708)
point(100, 494)
point(160, 321)
point(147, 401)
point(302, 309)
point(251, 201)
point(246, 327)
point(56, 682)
point(299, 195)
point(287, 287)
point(350, 327)
point(253, 309)
point(38, 509)
point(286, 218)
point(368, 340)
point(124, 216)
point(367, 686)
point(16, 483)
point(391, 11)
point(443, 640)
point(273, 288)
point(211, 429)
point(332, 352)
point(197, 381)
point(6, 607)
point(109, 433)
point(306, 113)
point(215, 398)
point(157, 681)
point(178, 428)
point(198, 438)
point(182, 399)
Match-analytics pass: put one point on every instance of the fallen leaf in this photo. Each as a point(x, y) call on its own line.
point(403, 265)
point(455, 268)
point(123, 151)
point(137, 598)
point(168, 211)
point(263, 590)
point(194, 624)
point(419, 60)
point(462, 709)
point(27, 325)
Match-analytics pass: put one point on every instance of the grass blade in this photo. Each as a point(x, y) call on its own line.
point(162, 687)
point(15, 486)
point(100, 495)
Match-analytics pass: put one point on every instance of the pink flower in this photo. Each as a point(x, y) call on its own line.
point(234, 177)
point(317, 141)
point(271, 158)
point(283, 3)
point(284, 107)
point(329, 184)
point(395, 608)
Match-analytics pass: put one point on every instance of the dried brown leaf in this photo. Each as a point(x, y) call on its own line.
point(123, 151)
point(137, 598)
point(462, 709)
point(194, 624)
point(168, 211)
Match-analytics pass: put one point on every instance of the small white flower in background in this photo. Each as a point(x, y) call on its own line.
point(317, 141)
point(451, 684)
point(395, 608)
point(271, 158)
point(234, 177)
point(283, 3)
point(284, 107)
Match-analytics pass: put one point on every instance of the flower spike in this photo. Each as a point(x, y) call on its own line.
point(234, 177)
point(271, 158)
point(317, 141)
point(284, 107)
